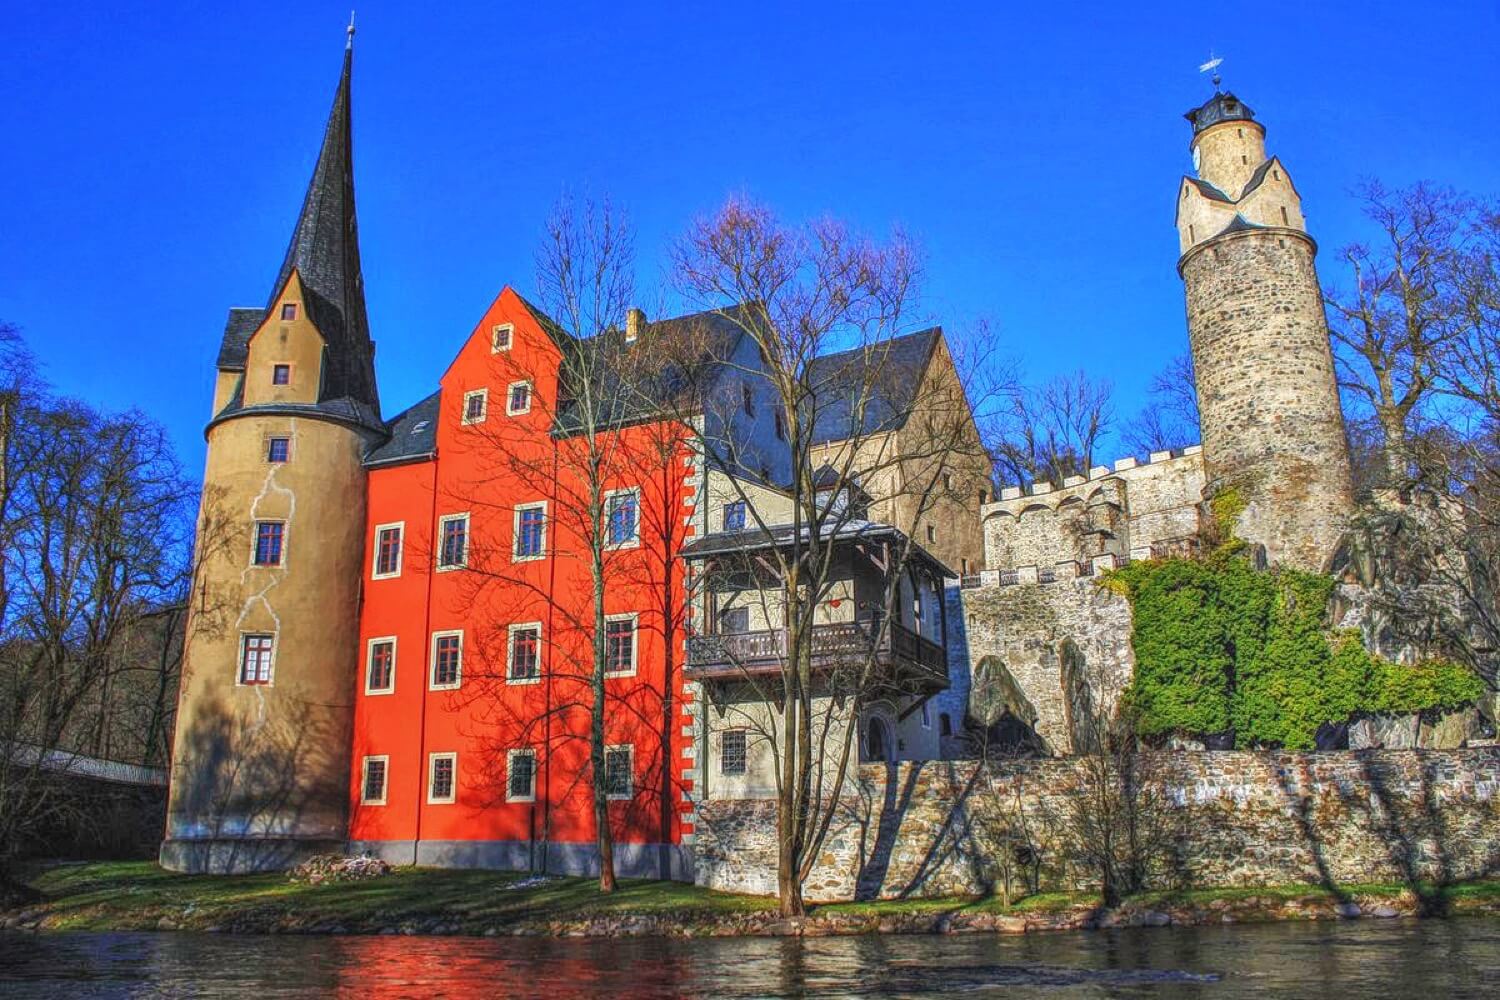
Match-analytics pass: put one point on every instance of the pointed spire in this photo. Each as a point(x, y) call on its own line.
point(324, 251)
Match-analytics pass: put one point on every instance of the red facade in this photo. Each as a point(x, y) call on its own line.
point(521, 608)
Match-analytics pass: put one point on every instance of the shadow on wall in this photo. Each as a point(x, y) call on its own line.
point(253, 794)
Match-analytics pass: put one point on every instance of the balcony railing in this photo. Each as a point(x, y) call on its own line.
point(846, 643)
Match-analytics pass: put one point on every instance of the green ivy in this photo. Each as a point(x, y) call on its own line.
point(1220, 647)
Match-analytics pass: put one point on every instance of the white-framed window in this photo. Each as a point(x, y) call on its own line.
point(442, 778)
point(476, 406)
point(733, 752)
point(518, 398)
point(447, 660)
point(619, 774)
point(523, 653)
point(453, 541)
point(270, 544)
point(926, 715)
point(380, 665)
point(257, 656)
point(374, 771)
point(501, 336)
point(388, 539)
point(622, 518)
point(620, 645)
point(530, 532)
point(520, 776)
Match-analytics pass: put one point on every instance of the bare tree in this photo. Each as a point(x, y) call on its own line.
point(1170, 418)
point(1052, 431)
point(95, 521)
point(812, 422)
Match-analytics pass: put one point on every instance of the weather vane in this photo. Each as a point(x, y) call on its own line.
point(1212, 64)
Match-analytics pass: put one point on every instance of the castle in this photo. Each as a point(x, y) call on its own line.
point(386, 617)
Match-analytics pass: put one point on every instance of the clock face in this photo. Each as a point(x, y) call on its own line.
point(1197, 158)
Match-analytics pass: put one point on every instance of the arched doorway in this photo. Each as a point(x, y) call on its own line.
point(877, 740)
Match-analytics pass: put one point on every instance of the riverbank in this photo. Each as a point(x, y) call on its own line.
point(134, 896)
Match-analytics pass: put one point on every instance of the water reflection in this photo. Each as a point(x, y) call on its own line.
point(1433, 959)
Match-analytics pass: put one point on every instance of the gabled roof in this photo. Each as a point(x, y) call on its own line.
point(1239, 224)
point(413, 434)
point(324, 253)
point(870, 389)
point(1209, 191)
point(783, 535)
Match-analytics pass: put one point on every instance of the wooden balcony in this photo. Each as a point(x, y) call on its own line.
point(910, 660)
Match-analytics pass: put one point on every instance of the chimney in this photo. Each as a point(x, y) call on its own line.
point(634, 320)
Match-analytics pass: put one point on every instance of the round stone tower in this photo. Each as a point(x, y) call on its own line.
point(1273, 432)
point(260, 764)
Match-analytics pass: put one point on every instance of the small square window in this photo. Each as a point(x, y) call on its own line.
point(288, 310)
point(619, 646)
point(735, 621)
point(531, 532)
point(622, 511)
point(268, 538)
point(524, 657)
point(619, 782)
point(281, 374)
point(475, 405)
point(372, 791)
point(732, 755)
point(256, 650)
point(520, 778)
point(442, 778)
point(447, 660)
point(734, 516)
point(388, 550)
point(278, 449)
point(380, 666)
point(453, 534)
point(500, 338)
point(518, 398)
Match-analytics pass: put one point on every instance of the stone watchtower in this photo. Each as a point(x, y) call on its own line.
point(1273, 433)
point(260, 768)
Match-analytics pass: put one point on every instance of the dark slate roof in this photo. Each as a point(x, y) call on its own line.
point(1257, 177)
point(618, 403)
point(1222, 107)
point(242, 322)
point(324, 251)
point(778, 535)
point(842, 381)
point(1209, 191)
point(1239, 224)
point(413, 434)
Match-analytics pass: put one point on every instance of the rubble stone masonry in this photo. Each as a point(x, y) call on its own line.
point(932, 829)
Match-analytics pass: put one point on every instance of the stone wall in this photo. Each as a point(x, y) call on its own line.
point(931, 829)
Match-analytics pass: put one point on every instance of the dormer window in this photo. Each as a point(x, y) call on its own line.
point(288, 311)
point(500, 337)
point(281, 374)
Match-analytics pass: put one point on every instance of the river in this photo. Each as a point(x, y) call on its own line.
point(1390, 959)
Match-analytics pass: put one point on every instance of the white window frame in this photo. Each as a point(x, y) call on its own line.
point(745, 772)
point(364, 780)
point(510, 337)
point(468, 537)
point(370, 659)
point(634, 542)
point(484, 411)
point(286, 530)
point(634, 618)
point(400, 527)
point(515, 534)
point(432, 684)
point(239, 657)
point(509, 764)
point(511, 411)
point(432, 760)
point(629, 751)
point(510, 649)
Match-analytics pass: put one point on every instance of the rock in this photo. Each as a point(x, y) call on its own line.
point(1348, 911)
point(1155, 918)
point(1384, 912)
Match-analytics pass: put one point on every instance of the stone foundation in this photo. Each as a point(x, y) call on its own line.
point(931, 829)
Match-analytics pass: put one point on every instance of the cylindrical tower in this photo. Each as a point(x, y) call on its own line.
point(260, 764)
point(1273, 431)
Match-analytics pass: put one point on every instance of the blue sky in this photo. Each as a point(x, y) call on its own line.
point(154, 156)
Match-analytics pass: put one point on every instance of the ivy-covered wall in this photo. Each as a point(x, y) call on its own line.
point(1224, 649)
